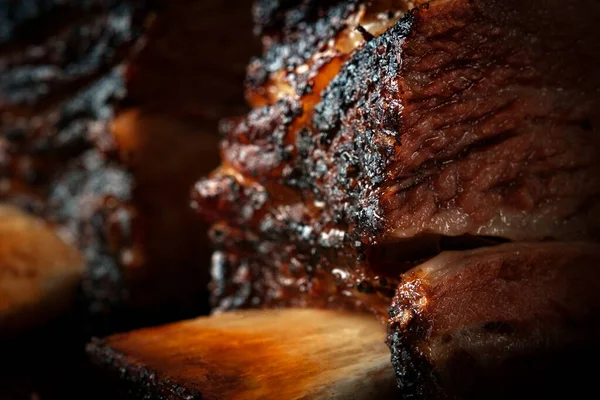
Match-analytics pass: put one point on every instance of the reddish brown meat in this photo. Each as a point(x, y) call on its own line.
point(458, 121)
point(501, 322)
point(380, 139)
point(247, 192)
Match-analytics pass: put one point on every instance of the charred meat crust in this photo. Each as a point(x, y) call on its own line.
point(247, 273)
point(286, 17)
point(138, 380)
point(366, 96)
point(400, 121)
point(435, 128)
point(59, 94)
point(92, 201)
point(257, 145)
point(290, 47)
point(265, 188)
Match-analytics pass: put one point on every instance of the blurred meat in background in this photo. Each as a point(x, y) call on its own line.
point(108, 114)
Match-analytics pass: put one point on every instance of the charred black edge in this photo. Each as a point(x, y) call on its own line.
point(551, 369)
point(353, 87)
point(568, 370)
point(320, 21)
point(284, 16)
point(66, 141)
point(134, 378)
point(415, 375)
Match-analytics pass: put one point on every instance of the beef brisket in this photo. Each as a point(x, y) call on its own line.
point(458, 121)
point(385, 133)
point(498, 322)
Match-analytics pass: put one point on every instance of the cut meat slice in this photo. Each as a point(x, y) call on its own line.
point(253, 355)
point(463, 119)
point(498, 322)
point(248, 192)
point(460, 121)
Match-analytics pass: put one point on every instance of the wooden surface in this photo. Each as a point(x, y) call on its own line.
point(266, 354)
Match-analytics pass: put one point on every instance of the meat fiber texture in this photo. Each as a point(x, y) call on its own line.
point(385, 133)
point(446, 125)
point(499, 322)
point(107, 118)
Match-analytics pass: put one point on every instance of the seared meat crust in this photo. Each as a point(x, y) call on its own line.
point(453, 120)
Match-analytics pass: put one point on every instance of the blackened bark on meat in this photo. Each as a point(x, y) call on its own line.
point(466, 124)
point(302, 29)
point(249, 271)
point(443, 126)
point(458, 121)
point(58, 92)
point(262, 137)
point(366, 94)
point(61, 78)
point(285, 17)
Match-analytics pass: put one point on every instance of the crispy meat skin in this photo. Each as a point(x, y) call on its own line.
point(248, 190)
point(458, 121)
point(479, 129)
point(255, 272)
point(498, 322)
point(289, 47)
point(87, 110)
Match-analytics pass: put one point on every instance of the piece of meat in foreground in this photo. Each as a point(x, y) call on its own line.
point(471, 119)
point(516, 320)
point(467, 117)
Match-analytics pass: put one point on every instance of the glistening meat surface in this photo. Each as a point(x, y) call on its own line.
point(500, 322)
point(461, 119)
point(453, 120)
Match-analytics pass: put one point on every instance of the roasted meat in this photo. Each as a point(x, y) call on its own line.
point(252, 354)
point(458, 125)
point(59, 90)
point(498, 322)
point(384, 133)
point(262, 196)
point(107, 119)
